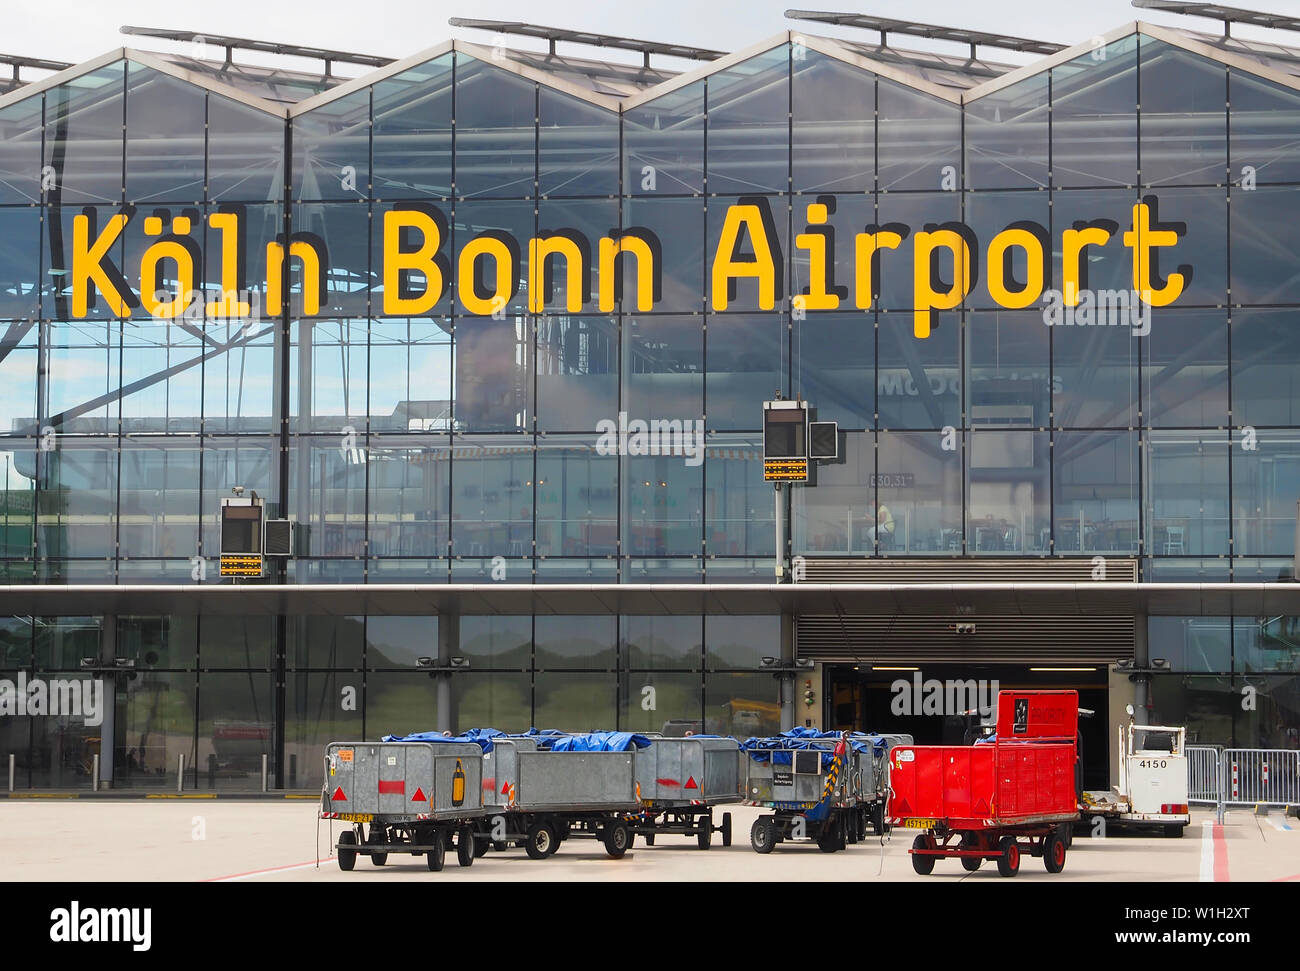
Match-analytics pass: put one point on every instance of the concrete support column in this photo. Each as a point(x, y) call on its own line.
point(448, 644)
point(107, 654)
point(787, 681)
point(1142, 662)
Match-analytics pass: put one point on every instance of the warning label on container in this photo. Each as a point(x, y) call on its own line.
point(1020, 723)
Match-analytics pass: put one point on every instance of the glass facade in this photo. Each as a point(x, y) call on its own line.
point(447, 312)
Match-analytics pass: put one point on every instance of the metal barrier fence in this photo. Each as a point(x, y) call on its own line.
point(1258, 776)
point(1204, 773)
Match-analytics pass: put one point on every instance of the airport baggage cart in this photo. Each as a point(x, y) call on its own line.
point(412, 797)
point(680, 780)
point(996, 799)
point(803, 776)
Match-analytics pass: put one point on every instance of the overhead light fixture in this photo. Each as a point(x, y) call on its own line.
point(883, 667)
point(1062, 669)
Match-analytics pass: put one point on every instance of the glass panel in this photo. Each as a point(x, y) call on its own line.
point(1008, 377)
point(245, 153)
point(574, 642)
point(832, 518)
point(63, 748)
point(1195, 644)
point(1008, 491)
point(328, 495)
point(343, 230)
point(412, 132)
point(83, 137)
point(590, 220)
point(315, 714)
point(165, 137)
point(16, 642)
point(1266, 367)
point(496, 132)
point(1200, 217)
point(919, 489)
point(158, 642)
point(663, 361)
point(1205, 705)
point(492, 497)
point(331, 150)
point(237, 643)
point(20, 254)
point(159, 497)
point(61, 642)
point(742, 705)
point(918, 139)
point(1094, 121)
point(746, 292)
point(1095, 491)
point(400, 703)
point(834, 367)
point(834, 127)
point(748, 125)
point(399, 642)
point(665, 702)
point(1188, 493)
point(577, 371)
point(678, 224)
point(494, 375)
point(919, 381)
point(236, 720)
point(501, 701)
point(239, 387)
point(577, 497)
point(577, 147)
point(745, 364)
point(893, 276)
point(738, 510)
point(19, 495)
point(988, 214)
point(162, 390)
point(658, 643)
point(409, 501)
point(1185, 369)
point(663, 143)
point(1095, 377)
point(76, 497)
point(1265, 488)
point(514, 220)
point(20, 151)
point(740, 641)
point(83, 377)
point(1184, 126)
point(228, 462)
point(1007, 135)
point(153, 726)
point(413, 361)
point(328, 393)
point(663, 512)
point(1262, 121)
point(325, 642)
point(1263, 235)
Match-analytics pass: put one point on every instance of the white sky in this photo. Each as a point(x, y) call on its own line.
point(75, 30)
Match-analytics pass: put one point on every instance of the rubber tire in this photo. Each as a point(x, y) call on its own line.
point(1009, 858)
point(878, 819)
point(762, 835)
point(649, 839)
point(1175, 831)
point(924, 865)
point(465, 846)
point(828, 840)
point(435, 857)
point(481, 847)
point(704, 835)
point(970, 863)
point(617, 838)
point(852, 825)
point(540, 841)
point(1054, 853)
point(726, 829)
point(347, 858)
point(500, 846)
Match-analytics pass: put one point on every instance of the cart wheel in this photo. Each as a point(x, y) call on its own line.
point(540, 841)
point(500, 846)
point(1175, 831)
point(726, 829)
point(481, 847)
point(852, 827)
point(435, 857)
point(1009, 861)
point(1067, 834)
point(1054, 853)
point(762, 835)
point(347, 858)
point(618, 838)
point(970, 863)
point(828, 840)
point(649, 839)
point(465, 846)
point(562, 832)
point(878, 818)
point(704, 834)
point(924, 865)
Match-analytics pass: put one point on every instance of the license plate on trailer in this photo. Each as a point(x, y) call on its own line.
point(919, 823)
point(357, 817)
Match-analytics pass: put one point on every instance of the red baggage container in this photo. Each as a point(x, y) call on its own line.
point(980, 800)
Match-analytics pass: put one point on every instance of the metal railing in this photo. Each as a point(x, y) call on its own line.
point(1258, 776)
point(1204, 774)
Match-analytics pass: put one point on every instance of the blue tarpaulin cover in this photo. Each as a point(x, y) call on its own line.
point(482, 737)
point(593, 742)
point(777, 748)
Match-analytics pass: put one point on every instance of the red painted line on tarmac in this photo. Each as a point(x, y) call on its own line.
point(1294, 876)
point(270, 869)
point(1220, 856)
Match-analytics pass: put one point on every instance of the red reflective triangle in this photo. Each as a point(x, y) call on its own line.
point(690, 783)
point(902, 808)
point(419, 795)
point(338, 795)
point(981, 806)
point(505, 787)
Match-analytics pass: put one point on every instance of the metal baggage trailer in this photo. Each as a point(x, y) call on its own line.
point(680, 780)
point(404, 797)
point(994, 800)
point(809, 799)
point(536, 798)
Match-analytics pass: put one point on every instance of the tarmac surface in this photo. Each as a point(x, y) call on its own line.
point(281, 840)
